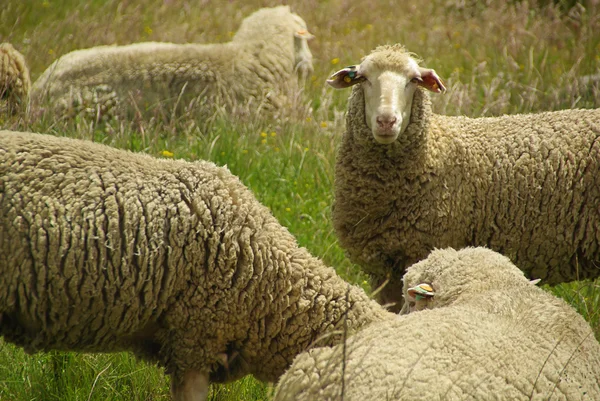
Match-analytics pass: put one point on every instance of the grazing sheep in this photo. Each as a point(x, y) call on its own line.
point(104, 250)
point(257, 70)
point(490, 335)
point(15, 83)
point(408, 180)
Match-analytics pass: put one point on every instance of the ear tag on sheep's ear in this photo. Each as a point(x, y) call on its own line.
point(345, 77)
point(421, 291)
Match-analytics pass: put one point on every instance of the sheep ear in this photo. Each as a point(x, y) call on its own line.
point(431, 81)
point(304, 34)
point(345, 77)
point(421, 291)
point(535, 281)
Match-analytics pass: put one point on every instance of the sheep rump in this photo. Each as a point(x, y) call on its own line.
point(491, 335)
point(103, 250)
point(523, 185)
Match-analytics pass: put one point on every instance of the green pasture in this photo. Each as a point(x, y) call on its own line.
point(495, 56)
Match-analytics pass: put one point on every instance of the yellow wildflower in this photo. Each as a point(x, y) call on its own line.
point(276, 149)
point(263, 141)
point(148, 30)
point(335, 61)
point(287, 209)
point(245, 151)
point(273, 134)
point(323, 124)
point(263, 134)
point(166, 153)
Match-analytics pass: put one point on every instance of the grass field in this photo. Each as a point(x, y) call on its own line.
point(495, 56)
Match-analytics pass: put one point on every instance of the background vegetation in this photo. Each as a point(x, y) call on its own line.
point(495, 56)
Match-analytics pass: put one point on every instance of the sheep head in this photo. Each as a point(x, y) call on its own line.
point(302, 56)
point(279, 25)
point(448, 276)
point(389, 77)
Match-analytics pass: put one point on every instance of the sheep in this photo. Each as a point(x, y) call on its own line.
point(15, 82)
point(482, 332)
point(408, 180)
point(258, 70)
point(103, 250)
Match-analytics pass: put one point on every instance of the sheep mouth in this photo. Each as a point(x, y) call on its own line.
point(385, 137)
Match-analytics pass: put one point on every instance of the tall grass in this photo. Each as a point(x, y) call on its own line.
point(495, 56)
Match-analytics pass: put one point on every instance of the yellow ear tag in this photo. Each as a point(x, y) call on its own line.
point(421, 291)
point(347, 79)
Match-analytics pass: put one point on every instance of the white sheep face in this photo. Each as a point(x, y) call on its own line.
point(389, 84)
point(302, 56)
point(388, 100)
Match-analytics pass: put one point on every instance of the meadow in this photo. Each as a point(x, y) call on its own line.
point(495, 56)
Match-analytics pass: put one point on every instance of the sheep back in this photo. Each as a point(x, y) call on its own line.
point(255, 71)
point(524, 185)
point(104, 250)
point(496, 335)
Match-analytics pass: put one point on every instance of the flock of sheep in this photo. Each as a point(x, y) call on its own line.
point(103, 250)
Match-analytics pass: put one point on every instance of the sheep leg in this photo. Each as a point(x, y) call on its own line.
point(192, 387)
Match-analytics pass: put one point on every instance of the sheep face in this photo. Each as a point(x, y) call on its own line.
point(280, 24)
point(389, 77)
point(302, 56)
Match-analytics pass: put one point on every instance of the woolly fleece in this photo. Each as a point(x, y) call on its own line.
point(491, 336)
point(524, 185)
point(255, 70)
point(104, 250)
point(15, 83)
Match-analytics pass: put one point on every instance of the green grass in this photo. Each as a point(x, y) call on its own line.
point(495, 58)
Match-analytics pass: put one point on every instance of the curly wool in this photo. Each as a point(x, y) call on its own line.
point(255, 71)
point(15, 83)
point(107, 250)
point(523, 185)
point(490, 335)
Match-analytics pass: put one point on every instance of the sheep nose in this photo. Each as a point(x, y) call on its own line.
point(386, 122)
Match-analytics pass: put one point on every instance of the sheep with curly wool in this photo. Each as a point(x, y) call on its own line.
point(258, 70)
point(103, 250)
point(15, 83)
point(483, 331)
point(408, 180)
